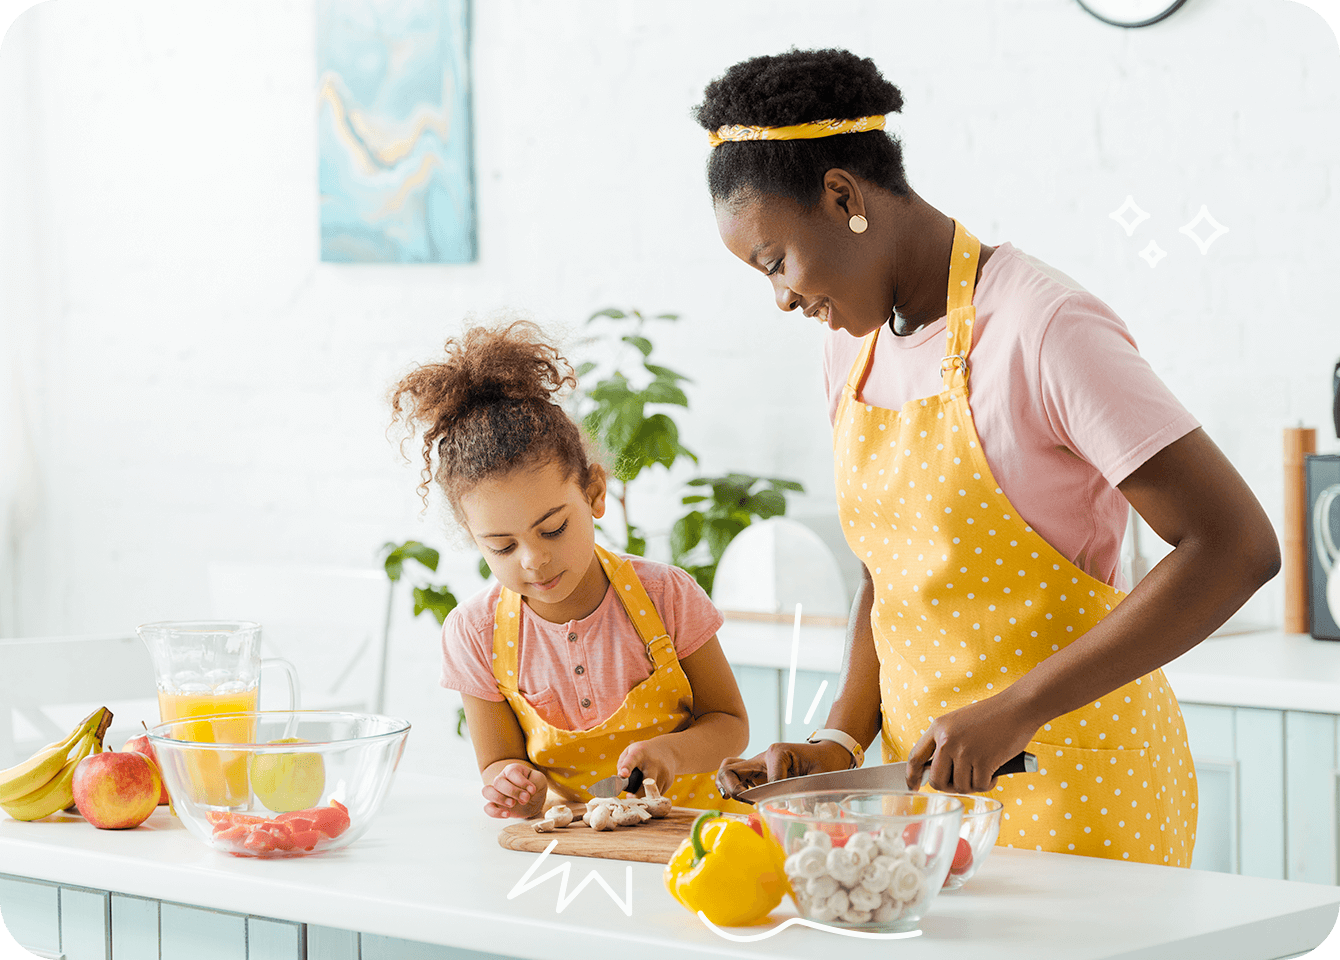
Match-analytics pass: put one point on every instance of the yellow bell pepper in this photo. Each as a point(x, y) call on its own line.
point(731, 872)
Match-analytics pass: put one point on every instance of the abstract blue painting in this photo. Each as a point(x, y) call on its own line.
point(395, 175)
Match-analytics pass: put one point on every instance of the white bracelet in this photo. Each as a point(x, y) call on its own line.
point(842, 739)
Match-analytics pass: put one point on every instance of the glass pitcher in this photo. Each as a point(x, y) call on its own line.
point(206, 667)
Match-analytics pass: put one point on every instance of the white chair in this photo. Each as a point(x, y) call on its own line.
point(48, 684)
point(329, 622)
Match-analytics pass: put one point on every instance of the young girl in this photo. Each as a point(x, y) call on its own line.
point(577, 663)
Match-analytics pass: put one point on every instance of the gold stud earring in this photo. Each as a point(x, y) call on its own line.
point(858, 223)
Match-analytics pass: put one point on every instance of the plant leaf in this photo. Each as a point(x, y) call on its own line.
point(686, 534)
point(585, 368)
point(719, 533)
point(437, 600)
point(612, 312)
point(766, 503)
point(665, 373)
point(642, 343)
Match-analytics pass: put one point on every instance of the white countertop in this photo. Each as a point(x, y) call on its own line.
point(1269, 669)
point(430, 869)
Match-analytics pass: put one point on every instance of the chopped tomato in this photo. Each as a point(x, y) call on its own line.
point(295, 830)
point(332, 820)
point(756, 823)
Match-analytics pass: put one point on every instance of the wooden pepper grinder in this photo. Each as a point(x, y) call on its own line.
point(1298, 442)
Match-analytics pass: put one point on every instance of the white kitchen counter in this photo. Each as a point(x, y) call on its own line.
point(1267, 669)
point(430, 870)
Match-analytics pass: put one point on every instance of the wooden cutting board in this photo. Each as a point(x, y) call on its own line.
point(653, 841)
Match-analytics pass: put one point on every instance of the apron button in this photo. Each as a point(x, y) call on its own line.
point(579, 670)
point(586, 702)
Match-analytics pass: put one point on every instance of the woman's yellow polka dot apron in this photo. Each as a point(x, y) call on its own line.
point(968, 598)
point(663, 703)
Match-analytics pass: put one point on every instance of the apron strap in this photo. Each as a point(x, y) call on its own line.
point(959, 311)
point(638, 606)
point(506, 639)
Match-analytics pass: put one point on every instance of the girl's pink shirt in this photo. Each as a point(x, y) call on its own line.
point(605, 645)
point(1065, 406)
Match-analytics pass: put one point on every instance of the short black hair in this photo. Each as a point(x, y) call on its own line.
point(796, 87)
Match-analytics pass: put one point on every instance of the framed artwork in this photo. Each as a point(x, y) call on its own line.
point(396, 177)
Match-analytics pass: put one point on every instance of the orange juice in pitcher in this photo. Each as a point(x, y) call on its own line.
point(221, 779)
point(207, 669)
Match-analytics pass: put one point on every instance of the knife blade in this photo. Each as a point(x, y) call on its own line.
point(881, 776)
point(615, 785)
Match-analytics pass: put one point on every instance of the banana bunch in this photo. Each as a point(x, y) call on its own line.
point(44, 783)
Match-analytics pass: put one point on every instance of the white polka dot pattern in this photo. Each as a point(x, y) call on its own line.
point(968, 598)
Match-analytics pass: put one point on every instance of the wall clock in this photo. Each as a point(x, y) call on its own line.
point(1131, 13)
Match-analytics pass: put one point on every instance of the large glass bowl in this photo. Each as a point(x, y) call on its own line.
point(871, 861)
point(977, 836)
point(239, 788)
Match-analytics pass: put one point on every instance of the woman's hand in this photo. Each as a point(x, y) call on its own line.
point(779, 762)
point(654, 757)
point(962, 750)
point(517, 791)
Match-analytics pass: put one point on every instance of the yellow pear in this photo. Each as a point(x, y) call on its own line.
point(287, 781)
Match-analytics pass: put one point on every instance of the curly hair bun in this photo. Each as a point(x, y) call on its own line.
point(796, 87)
point(489, 406)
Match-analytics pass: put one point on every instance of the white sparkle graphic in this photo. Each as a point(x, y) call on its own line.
point(1152, 253)
point(565, 898)
point(1190, 229)
point(1137, 216)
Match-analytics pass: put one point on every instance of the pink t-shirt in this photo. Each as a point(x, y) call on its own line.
point(1065, 406)
point(612, 657)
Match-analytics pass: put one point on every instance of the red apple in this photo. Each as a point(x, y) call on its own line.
point(115, 791)
point(142, 744)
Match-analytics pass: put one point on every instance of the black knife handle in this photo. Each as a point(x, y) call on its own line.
point(1019, 764)
point(635, 780)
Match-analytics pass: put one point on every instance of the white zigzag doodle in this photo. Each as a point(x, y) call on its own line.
point(802, 922)
point(565, 898)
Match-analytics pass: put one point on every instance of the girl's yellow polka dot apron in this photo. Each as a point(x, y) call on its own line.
point(968, 598)
point(663, 703)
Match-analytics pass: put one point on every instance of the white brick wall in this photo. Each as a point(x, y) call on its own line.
point(197, 386)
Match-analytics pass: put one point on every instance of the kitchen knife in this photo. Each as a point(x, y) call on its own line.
point(615, 785)
point(880, 776)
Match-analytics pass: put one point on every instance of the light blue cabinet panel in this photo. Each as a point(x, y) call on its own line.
point(31, 912)
point(85, 924)
point(1210, 732)
point(809, 684)
point(273, 940)
point(1216, 815)
point(1259, 736)
point(188, 933)
point(389, 948)
point(329, 943)
point(134, 928)
point(1309, 756)
point(758, 687)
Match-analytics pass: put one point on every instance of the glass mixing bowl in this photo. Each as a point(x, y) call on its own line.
point(870, 861)
point(977, 835)
point(282, 783)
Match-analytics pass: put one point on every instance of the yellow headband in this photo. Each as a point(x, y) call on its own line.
point(800, 131)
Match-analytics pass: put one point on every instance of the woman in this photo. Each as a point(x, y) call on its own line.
point(992, 421)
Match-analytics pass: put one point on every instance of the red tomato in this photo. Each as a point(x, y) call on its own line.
point(962, 858)
point(911, 833)
point(756, 823)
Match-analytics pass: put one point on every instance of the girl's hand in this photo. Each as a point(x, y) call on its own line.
point(654, 758)
point(962, 750)
point(517, 791)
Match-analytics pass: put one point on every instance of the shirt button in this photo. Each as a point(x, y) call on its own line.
point(572, 637)
point(586, 702)
point(580, 670)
